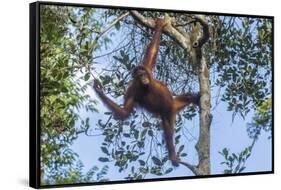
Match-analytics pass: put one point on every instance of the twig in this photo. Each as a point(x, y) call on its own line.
point(193, 168)
point(111, 25)
point(115, 50)
point(150, 150)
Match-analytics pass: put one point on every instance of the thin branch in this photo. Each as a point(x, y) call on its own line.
point(150, 150)
point(192, 136)
point(217, 99)
point(193, 168)
point(113, 51)
point(112, 24)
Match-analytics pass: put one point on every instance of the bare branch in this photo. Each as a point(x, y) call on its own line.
point(112, 24)
point(113, 51)
point(193, 168)
point(169, 30)
point(142, 19)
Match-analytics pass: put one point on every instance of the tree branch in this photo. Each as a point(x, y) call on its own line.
point(169, 30)
point(143, 20)
point(205, 31)
point(193, 168)
point(112, 24)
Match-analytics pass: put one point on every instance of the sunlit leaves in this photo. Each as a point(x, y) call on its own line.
point(61, 95)
point(262, 120)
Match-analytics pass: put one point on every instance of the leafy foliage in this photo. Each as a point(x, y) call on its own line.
point(262, 120)
point(235, 162)
point(62, 95)
point(243, 62)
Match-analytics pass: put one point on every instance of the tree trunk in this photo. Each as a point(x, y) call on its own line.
point(203, 144)
point(199, 36)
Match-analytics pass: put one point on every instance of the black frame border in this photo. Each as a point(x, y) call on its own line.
point(34, 94)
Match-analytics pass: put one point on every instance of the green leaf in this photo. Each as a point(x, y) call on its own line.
point(64, 89)
point(156, 161)
point(150, 132)
point(142, 163)
point(181, 148)
point(122, 52)
point(140, 144)
point(227, 171)
point(234, 156)
point(146, 124)
point(177, 138)
point(241, 169)
point(143, 133)
point(136, 134)
point(143, 170)
point(183, 155)
point(225, 152)
point(103, 159)
point(117, 26)
point(169, 170)
point(236, 168)
point(104, 150)
point(118, 59)
point(87, 76)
